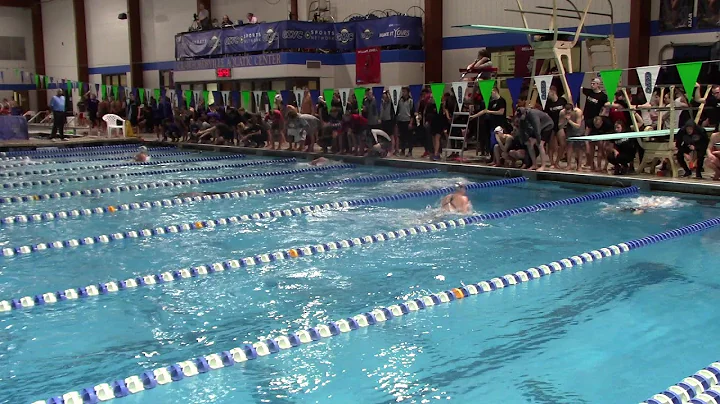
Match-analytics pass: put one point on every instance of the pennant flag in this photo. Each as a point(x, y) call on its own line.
point(17, 72)
point(188, 98)
point(611, 79)
point(688, 75)
point(271, 97)
point(415, 91)
point(69, 87)
point(156, 93)
point(328, 94)
point(344, 96)
point(103, 90)
point(206, 97)
point(47, 81)
point(235, 96)
point(437, 90)
point(378, 93)
point(115, 91)
point(299, 94)
point(257, 96)
point(178, 95)
point(486, 87)
point(287, 96)
point(459, 88)
point(170, 94)
point(542, 85)
point(141, 95)
point(359, 96)
point(395, 94)
point(314, 94)
point(648, 76)
point(574, 81)
point(225, 95)
point(217, 98)
point(81, 87)
point(514, 86)
point(246, 100)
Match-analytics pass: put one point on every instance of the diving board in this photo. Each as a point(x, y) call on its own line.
point(628, 135)
point(528, 31)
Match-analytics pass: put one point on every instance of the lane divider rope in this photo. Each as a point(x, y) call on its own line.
point(154, 162)
point(267, 346)
point(27, 302)
point(211, 223)
point(163, 184)
point(53, 181)
point(71, 154)
point(85, 160)
point(77, 151)
point(694, 389)
point(13, 158)
point(166, 203)
point(24, 153)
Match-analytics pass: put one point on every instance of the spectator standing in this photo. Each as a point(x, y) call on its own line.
point(57, 106)
point(405, 110)
point(251, 18)
point(387, 121)
point(203, 17)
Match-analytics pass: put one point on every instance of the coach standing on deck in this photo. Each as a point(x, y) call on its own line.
point(57, 105)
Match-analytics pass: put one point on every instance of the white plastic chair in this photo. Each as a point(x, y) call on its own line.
point(112, 121)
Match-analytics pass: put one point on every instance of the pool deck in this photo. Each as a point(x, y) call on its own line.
point(645, 182)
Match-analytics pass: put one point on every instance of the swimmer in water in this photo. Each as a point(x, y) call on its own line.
point(194, 194)
point(642, 205)
point(457, 202)
point(320, 161)
point(142, 155)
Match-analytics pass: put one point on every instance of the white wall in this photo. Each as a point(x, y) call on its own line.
point(238, 9)
point(15, 21)
point(160, 21)
point(59, 39)
point(107, 37)
point(460, 12)
point(687, 37)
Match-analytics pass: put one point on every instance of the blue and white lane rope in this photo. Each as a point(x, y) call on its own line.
point(163, 184)
point(25, 153)
point(154, 162)
point(96, 153)
point(692, 389)
point(20, 158)
point(166, 203)
point(264, 347)
point(54, 181)
point(85, 160)
point(211, 223)
point(262, 259)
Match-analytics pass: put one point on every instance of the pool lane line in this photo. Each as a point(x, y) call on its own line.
point(692, 389)
point(98, 153)
point(212, 223)
point(250, 351)
point(19, 158)
point(262, 259)
point(163, 184)
point(24, 153)
point(166, 203)
point(53, 181)
point(85, 160)
point(154, 162)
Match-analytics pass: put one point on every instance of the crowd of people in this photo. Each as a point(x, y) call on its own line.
point(203, 21)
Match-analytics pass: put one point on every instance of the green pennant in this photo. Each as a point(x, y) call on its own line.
point(437, 90)
point(271, 97)
point(69, 87)
point(611, 79)
point(246, 100)
point(188, 98)
point(141, 95)
point(37, 81)
point(103, 91)
point(328, 95)
point(47, 81)
point(17, 72)
point(688, 75)
point(486, 87)
point(206, 97)
point(156, 94)
point(115, 92)
point(80, 87)
point(359, 96)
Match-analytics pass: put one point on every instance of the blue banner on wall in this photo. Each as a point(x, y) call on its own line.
point(343, 37)
point(391, 31)
point(198, 44)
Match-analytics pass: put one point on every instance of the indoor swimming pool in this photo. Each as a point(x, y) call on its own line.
point(341, 283)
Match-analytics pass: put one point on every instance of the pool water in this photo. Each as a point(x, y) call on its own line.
point(613, 331)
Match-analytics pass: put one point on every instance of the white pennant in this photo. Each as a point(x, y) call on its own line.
point(171, 94)
point(344, 95)
point(299, 95)
point(197, 96)
point(257, 95)
point(648, 76)
point(542, 84)
point(460, 87)
point(225, 97)
point(395, 94)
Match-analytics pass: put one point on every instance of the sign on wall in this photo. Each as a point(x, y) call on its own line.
point(676, 14)
point(708, 13)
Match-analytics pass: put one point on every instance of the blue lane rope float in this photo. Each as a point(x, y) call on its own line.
point(13, 158)
point(266, 346)
point(164, 184)
point(154, 162)
point(25, 164)
point(71, 154)
point(166, 203)
point(211, 223)
point(26, 153)
point(54, 181)
point(692, 389)
point(262, 259)
point(85, 160)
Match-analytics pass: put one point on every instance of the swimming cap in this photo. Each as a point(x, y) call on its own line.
point(143, 149)
point(499, 129)
point(459, 185)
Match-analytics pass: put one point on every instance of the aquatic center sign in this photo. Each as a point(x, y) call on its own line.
point(270, 59)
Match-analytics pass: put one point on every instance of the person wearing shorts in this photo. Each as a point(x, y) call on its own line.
point(296, 130)
point(537, 126)
point(312, 130)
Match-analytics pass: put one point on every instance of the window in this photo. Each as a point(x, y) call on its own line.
point(167, 79)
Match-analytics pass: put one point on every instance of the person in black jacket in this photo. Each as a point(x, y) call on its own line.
point(434, 126)
point(688, 139)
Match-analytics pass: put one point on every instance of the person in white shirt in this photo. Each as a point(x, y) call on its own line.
point(251, 18)
point(203, 17)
